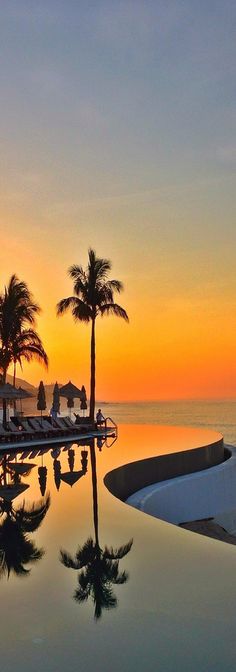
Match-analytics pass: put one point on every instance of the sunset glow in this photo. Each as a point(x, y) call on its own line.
point(117, 131)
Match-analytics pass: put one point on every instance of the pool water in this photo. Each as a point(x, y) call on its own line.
point(144, 594)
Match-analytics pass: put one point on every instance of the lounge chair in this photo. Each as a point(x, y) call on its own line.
point(15, 430)
point(26, 427)
point(44, 427)
point(25, 454)
point(43, 450)
point(48, 427)
point(59, 424)
point(33, 453)
point(70, 425)
point(37, 426)
point(5, 435)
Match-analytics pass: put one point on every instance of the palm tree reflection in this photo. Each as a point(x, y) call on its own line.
point(98, 569)
point(16, 549)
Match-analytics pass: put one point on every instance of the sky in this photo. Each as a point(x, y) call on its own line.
point(117, 132)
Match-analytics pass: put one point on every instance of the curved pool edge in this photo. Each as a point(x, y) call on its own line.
point(130, 477)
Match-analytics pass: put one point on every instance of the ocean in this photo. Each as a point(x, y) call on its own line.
point(213, 414)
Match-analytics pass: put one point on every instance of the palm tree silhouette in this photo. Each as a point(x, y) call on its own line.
point(16, 549)
point(93, 296)
point(27, 345)
point(18, 339)
point(98, 569)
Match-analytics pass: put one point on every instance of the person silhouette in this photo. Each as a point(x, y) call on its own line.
point(100, 418)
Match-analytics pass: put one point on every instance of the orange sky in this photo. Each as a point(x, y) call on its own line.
point(117, 130)
point(179, 343)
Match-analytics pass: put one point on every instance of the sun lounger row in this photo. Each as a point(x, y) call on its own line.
point(23, 429)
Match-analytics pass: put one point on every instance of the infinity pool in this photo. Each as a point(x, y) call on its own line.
point(146, 595)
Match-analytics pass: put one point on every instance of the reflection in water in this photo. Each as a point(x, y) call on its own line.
point(16, 549)
point(57, 473)
point(42, 476)
point(70, 477)
point(98, 569)
point(71, 459)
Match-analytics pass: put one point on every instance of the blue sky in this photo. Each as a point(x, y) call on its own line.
point(117, 130)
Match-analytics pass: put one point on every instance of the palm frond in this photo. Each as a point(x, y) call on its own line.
point(67, 560)
point(113, 309)
point(118, 553)
point(81, 595)
point(81, 311)
point(86, 553)
point(122, 577)
point(115, 285)
point(65, 304)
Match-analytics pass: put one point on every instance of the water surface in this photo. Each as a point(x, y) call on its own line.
point(168, 604)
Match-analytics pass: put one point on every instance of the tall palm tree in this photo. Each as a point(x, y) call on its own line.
point(16, 549)
point(98, 569)
point(18, 338)
point(93, 296)
point(27, 345)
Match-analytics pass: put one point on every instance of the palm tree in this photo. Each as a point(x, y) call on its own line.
point(27, 345)
point(16, 549)
point(93, 296)
point(18, 339)
point(98, 569)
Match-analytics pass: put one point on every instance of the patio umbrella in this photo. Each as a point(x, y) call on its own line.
point(70, 404)
point(83, 403)
point(42, 478)
point(57, 473)
point(56, 400)
point(41, 403)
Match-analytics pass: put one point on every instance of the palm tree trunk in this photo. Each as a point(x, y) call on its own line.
point(4, 401)
point(14, 375)
point(95, 491)
point(92, 376)
point(5, 470)
point(14, 385)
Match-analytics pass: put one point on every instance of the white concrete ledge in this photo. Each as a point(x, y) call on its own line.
point(205, 494)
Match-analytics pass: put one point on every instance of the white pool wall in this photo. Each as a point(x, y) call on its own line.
point(206, 494)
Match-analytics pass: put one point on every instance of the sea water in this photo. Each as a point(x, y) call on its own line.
point(212, 414)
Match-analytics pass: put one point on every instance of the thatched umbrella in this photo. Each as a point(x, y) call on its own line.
point(9, 393)
point(70, 391)
point(71, 477)
point(9, 492)
point(21, 468)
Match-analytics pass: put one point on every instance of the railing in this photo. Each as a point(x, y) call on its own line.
point(113, 423)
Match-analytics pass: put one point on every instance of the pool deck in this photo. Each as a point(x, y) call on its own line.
point(54, 440)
